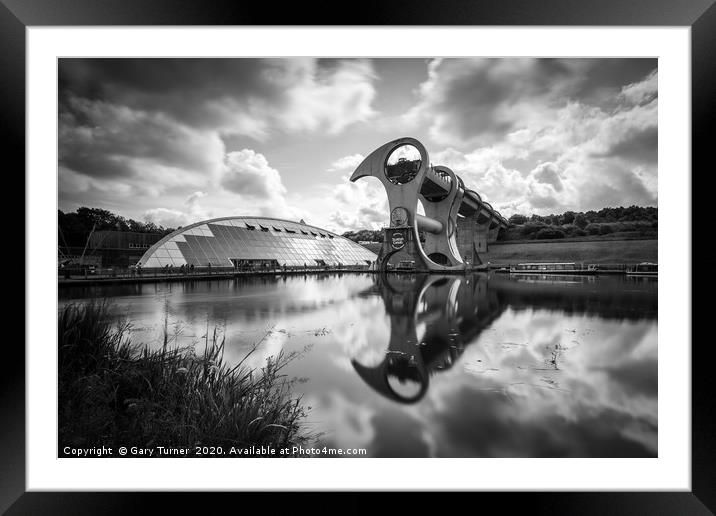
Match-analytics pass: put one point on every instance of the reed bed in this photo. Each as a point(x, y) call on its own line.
point(114, 393)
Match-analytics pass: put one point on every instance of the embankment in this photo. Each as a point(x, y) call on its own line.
point(621, 251)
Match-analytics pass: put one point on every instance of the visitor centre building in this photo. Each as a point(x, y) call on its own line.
point(249, 242)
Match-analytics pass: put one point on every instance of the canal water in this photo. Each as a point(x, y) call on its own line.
point(427, 365)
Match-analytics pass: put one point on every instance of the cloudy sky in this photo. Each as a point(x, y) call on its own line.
point(175, 141)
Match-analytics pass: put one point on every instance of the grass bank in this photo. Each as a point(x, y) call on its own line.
point(113, 393)
point(622, 251)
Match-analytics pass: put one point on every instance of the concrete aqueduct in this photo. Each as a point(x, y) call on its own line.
point(458, 224)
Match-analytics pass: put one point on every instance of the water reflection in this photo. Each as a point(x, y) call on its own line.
point(448, 311)
point(433, 318)
point(448, 366)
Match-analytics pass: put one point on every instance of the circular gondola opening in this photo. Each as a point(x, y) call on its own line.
point(403, 164)
point(404, 378)
point(439, 258)
point(439, 191)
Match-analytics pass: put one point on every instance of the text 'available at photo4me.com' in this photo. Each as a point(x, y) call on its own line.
point(211, 451)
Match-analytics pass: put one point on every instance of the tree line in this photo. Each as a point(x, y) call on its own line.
point(633, 221)
point(629, 222)
point(74, 227)
point(581, 219)
point(364, 235)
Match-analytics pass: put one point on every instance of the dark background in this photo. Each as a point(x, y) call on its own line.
point(16, 15)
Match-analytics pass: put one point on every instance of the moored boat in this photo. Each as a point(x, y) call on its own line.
point(551, 268)
point(643, 269)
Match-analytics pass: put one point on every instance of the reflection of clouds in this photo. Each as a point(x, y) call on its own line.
point(344, 423)
point(600, 400)
point(380, 429)
point(321, 293)
point(270, 346)
point(503, 397)
point(485, 424)
point(642, 432)
point(362, 330)
point(398, 434)
point(343, 363)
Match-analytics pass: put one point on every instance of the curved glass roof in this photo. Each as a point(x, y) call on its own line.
point(232, 241)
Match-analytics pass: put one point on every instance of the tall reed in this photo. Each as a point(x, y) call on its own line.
point(113, 393)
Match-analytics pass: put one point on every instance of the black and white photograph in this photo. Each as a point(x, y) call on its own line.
point(357, 257)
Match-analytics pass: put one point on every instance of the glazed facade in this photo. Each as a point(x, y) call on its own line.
point(250, 241)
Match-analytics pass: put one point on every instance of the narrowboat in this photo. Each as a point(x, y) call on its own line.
point(643, 269)
point(551, 268)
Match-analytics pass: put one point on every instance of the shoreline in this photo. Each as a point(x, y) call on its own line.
point(600, 252)
point(499, 255)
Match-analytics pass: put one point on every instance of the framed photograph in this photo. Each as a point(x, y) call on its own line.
point(428, 252)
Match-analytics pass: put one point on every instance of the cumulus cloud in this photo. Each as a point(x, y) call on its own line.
point(148, 128)
point(194, 198)
point(167, 217)
point(248, 173)
point(642, 91)
point(359, 205)
point(480, 100)
point(346, 163)
point(567, 150)
point(548, 173)
point(530, 135)
point(484, 171)
point(471, 101)
point(608, 183)
point(173, 218)
point(333, 99)
point(250, 97)
point(640, 146)
point(106, 140)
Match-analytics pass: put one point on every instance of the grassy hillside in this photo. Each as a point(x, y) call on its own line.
point(623, 251)
point(597, 251)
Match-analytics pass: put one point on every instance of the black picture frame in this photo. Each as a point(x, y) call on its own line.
point(700, 15)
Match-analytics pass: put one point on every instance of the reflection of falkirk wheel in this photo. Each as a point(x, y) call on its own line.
point(457, 223)
point(453, 311)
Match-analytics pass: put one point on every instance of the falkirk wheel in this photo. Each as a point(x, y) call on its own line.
point(457, 223)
